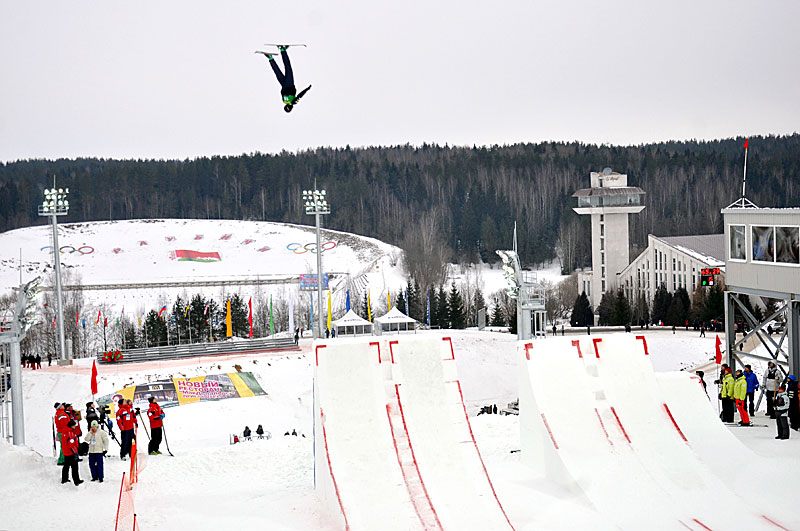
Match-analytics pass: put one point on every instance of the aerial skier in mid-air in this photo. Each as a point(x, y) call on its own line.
point(285, 78)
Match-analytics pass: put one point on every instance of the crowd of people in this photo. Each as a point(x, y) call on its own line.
point(737, 390)
point(95, 444)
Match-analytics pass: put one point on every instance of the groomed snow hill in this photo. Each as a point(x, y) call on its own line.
point(268, 484)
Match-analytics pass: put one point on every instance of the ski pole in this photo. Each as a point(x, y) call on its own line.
point(144, 426)
point(166, 442)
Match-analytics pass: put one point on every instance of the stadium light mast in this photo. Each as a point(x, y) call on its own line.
point(56, 204)
point(316, 204)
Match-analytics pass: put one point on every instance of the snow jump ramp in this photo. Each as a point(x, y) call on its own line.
point(393, 445)
point(594, 417)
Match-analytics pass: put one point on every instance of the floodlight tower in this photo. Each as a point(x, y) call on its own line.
point(316, 204)
point(56, 204)
point(608, 201)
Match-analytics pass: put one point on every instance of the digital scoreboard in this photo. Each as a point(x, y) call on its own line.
point(707, 275)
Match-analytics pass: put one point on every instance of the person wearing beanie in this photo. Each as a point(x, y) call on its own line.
point(91, 414)
point(794, 402)
point(771, 385)
point(740, 395)
point(781, 409)
point(156, 416)
point(726, 395)
point(60, 419)
point(69, 445)
point(98, 447)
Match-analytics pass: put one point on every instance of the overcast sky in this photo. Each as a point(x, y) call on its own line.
point(179, 79)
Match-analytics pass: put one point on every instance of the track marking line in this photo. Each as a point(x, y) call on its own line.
point(600, 419)
point(316, 353)
point(330, 469)
point(619, 423)
point(669, 413)
point(595, 341)
point(452, 352)
point(391, 351)
point(644, 342)
point(577, 344)
point(376, 344)
point(528, 346)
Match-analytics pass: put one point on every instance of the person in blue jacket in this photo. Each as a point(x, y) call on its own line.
point(752, 387)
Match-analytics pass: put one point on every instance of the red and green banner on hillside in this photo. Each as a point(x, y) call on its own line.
point(184, 255)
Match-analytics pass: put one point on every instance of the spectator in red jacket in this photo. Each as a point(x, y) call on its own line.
point(61, 419)
point(126, 423)
point(69, 446)
point(156, 416)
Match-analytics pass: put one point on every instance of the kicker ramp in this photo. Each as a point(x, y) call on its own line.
point(394, 447)
point(623, 365)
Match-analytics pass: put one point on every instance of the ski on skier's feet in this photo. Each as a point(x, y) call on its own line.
point(284, 45)
point(751, 425)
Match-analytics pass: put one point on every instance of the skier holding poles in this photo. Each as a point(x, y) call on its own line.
point(285, 78)
point(156, 416)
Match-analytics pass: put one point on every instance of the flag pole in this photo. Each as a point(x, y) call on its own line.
point(744, 176)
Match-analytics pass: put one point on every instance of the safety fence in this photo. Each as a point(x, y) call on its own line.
point(126, 509)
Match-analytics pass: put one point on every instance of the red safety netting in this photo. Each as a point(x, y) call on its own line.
point(126, 510)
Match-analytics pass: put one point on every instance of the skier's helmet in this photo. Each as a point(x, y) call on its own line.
point(287, 108)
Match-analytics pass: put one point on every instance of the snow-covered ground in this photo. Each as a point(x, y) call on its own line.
point(210, 484)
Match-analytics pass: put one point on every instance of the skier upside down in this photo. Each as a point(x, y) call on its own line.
point(285, 78)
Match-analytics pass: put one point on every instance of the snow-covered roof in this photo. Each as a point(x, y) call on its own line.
point(708, 248)
point(351, 318)
point(394, 316)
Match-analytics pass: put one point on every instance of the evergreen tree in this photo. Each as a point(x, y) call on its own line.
point(622, 309)
point(239, 313)
point(400, 301)
point(178, 322)
point(456, 314)
point(605, 310)
point(156, 329)
point(442, 309)
point(661, 302)
point(512, 318)
point(715, 304)
point(698, 304)
point(365, 312)
point(497, 315)
point(675, 313)
point(477, 303)
point(197, 321)
point(685, 306)
point(582, 313)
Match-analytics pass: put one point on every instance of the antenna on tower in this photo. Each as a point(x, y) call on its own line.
point(743, 202)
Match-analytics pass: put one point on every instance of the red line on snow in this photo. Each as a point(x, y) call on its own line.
point(701, 524)
point(577, 344)
point(330, 469)
point(316, 353)
point(595, 341)
point(391, 351)
point(666, 408)
point(377, 344)
point(599, 418)
point(773, 522)
point(528, 346)
point(550, 433)
point(644, 342)
point(452, 352)
point(480, 458)
point(413, 456)
point(619, 423)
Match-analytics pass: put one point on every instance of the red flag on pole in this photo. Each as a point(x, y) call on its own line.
point(250, 316)
point(105, 322)
point(77, 317)
point(719, 351)
point(94, 377)
point(746, 140)
point(98, 316)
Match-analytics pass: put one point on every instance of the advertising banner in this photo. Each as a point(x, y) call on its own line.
point(180, 391)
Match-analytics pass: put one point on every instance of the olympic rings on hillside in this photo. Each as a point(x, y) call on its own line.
point(85, 249)
point(311, 247)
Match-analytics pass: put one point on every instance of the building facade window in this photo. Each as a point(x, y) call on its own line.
point(763, 244)
point(602, 230)
point(787, 245)
point(736, 249)
point(602, 244)
point(603, 286)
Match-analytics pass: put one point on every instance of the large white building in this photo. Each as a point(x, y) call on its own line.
point(676, 262)
point(608, 202)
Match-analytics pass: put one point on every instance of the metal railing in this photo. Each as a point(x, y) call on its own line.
point(194, 350)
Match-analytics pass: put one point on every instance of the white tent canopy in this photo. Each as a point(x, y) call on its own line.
point(394, 319)
point(352, 324)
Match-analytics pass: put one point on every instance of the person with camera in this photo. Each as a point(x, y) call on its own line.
point(126, 423)
point(98, 447)
point(156, 416)
point(69, 446)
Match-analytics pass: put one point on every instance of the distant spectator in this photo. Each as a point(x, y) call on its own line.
point(781, 409)
point(260, 432)
point(98, 447)
point(726, 395)
point(554, 329)
point(296, 335)
point(752, 387)
point(91, 414)
point(771, 386)
point(703, 330)
point(246, 433)
point(38, 361)
point(700, 374)
point(327, 333)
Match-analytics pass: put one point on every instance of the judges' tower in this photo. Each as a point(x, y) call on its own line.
point(608, 201)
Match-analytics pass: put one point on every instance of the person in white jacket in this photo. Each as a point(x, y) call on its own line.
point(98, 446)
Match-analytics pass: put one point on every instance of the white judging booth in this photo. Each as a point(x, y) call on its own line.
point(352, 324)
point(395, 321)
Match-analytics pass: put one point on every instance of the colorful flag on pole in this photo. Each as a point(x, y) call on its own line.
point(369, 308)
point(186, 311)
point(250, 315)
point(54, 321)
point(77, 317)
point(406, 297)
point(228, 326)
point(719, 351)
point(83, 321)
point(205, 311)
point(162, 310)
point(105, 322)
point(271, 319)
point(746, 141)
point(389, 298)
point(94, 377)
point(347, 302)
point(98, 316)
point(329, 310)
